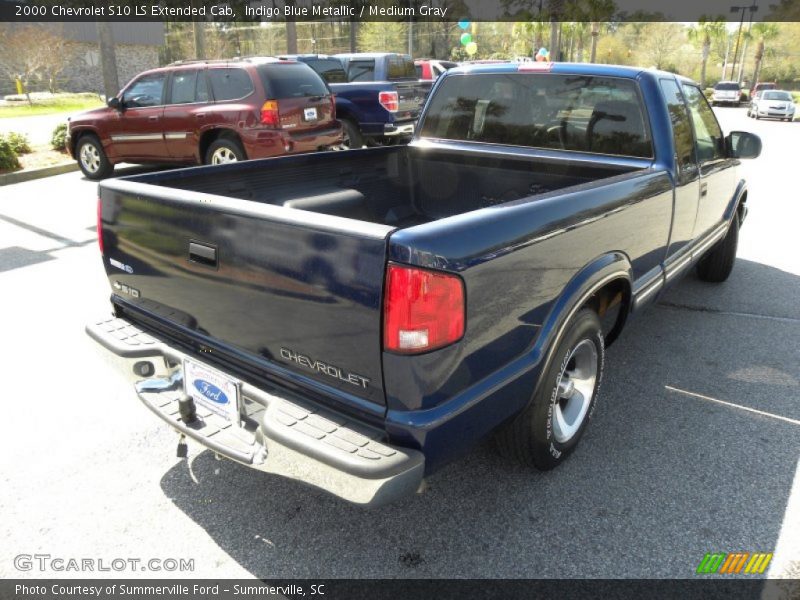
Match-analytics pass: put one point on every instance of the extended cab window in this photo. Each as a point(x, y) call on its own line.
point(709, 140)
point(563, 112)
point(148, 90)
point(681, 126)
point(361, 70)
point(230, 83)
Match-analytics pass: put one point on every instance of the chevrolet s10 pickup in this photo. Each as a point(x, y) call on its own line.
point(355, 320)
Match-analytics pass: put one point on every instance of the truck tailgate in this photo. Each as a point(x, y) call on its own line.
point(295, 294)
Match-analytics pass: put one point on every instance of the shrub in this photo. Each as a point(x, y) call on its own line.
point(59, 138)
point(19, 142)
point(8, 158)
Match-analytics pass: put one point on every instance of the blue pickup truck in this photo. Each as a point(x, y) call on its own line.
point(355, 320)
point(378, 95)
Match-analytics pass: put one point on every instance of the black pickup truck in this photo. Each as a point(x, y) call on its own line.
point(355, 320)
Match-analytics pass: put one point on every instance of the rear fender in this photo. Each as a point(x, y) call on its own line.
point(595, 275)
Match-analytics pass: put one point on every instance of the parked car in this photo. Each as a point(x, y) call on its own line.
point(208, 112)
point(355, 320)
point(766, 85)
point(726, 92)
point(392, 80)
point(430, 69)
point(378, 97)
point(773, 104)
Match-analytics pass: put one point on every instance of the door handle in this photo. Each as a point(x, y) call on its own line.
point(203, 254)
point(200, 115)
point(703, 189)
point(153, 118)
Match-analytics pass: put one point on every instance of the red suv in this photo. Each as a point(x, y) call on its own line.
point(208, 112)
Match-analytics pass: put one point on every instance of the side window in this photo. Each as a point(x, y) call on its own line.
point(230, 84)
point(201, 89)
point(148, 90)
point(708, 134)
point(681, 127)
point(361, 70)
point(184, 84)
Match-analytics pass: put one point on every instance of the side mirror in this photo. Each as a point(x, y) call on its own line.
point(742, 144)
point(114, 103)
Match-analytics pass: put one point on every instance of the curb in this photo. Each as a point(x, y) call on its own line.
point(21, 176)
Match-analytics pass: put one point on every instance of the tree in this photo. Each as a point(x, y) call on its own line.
point(763, 32)
point(108, 58)
point(382, 36)
point(596, 12)
point(660, 45)
point(706, 30)
point(32, 52)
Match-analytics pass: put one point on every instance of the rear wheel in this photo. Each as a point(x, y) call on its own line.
point(717, 264)
point(92, 159)
point(352, 138)
point(549, 429)
point(224, 150)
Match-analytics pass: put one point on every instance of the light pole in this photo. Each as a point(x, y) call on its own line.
point(752, 8)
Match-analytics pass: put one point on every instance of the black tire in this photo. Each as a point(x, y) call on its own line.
point(532, 438)
point(92, 159)
point(717, 263)
point(352, 135)
point(226, 147)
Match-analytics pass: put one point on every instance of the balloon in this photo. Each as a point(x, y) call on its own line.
point(471, 48)
point(466, 38)
point(463, 23)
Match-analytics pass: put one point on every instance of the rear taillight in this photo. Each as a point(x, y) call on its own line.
point(270, 115)
point(389, 101)
point(100, 225)
point(423, 310)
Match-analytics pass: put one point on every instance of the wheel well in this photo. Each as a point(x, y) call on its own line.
point(611, 303)
point(77, 137)
point(211, 136)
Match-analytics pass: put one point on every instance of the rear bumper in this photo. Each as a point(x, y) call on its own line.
point(278, 432)
point(266, 143)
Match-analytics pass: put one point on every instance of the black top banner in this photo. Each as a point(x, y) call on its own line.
point(398, 10)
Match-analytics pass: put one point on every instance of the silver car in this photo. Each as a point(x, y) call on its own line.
point(726, 92)
point(775, 104)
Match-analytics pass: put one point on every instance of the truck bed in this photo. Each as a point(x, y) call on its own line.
point(396, 186)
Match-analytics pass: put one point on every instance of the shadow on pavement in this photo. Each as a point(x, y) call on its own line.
point(659, 479)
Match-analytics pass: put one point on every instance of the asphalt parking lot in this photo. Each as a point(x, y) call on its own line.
point(694, 446)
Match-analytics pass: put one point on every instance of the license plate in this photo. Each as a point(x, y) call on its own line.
point(310, 114)
point(214, 390)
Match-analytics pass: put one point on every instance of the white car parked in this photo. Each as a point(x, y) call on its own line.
point(726, 92)
point(775, 104)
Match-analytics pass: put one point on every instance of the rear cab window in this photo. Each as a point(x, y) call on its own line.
point(551, 111)
point(291, 80)
point(361, 70)
point(330, 69)
point(230, 83)
point(400, 66)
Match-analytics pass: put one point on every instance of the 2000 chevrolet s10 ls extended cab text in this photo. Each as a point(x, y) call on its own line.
point(354, 320)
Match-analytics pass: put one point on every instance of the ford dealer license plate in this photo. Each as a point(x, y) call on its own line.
point(213, 390)
point(310, 114)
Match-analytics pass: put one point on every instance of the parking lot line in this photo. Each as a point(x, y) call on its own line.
point(731, 404)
